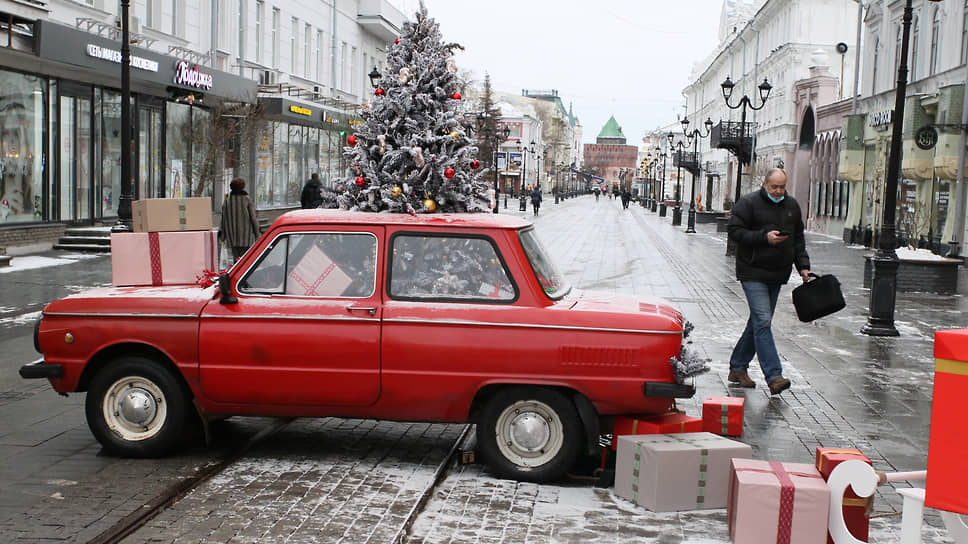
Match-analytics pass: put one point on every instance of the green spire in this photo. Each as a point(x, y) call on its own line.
point(611, 129)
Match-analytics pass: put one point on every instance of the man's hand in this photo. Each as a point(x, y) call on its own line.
point(805, 275)
point(774, 237)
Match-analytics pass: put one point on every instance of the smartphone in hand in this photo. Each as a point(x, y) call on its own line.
point(784, 233)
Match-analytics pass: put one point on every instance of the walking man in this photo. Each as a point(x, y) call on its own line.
point(768, 229)
point(536, 199)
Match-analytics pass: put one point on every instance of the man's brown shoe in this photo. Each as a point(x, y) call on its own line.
point(742, 378)
point(779, 385)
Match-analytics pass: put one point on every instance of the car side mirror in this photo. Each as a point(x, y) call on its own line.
point(225, 290)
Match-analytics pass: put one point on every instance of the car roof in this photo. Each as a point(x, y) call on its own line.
point(452, 220)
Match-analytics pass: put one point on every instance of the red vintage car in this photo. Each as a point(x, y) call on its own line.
point(445, 318)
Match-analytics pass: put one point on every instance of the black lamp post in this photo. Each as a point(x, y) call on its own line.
point(695, 135)
point(884, 263)
point(745, 102)
point(491, 133)
point(662, 204)
point(678, 145)
point(375, 76)
point(124, 223)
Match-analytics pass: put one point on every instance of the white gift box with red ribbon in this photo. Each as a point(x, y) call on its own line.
point(162, 258)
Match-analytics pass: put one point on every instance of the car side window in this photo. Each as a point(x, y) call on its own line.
point(317, 265)
point(453, 267)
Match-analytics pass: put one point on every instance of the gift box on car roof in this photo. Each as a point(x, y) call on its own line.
point(162, 258)
point(171, 214)
point(671, 472)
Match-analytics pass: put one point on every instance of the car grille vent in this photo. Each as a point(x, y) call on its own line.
point(597, 356)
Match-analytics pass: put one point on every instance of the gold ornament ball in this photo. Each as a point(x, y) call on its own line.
point(455, 135)
point(430, 204)
point(396, 191)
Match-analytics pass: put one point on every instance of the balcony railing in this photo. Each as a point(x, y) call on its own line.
point(732, 136)
point(688, 160)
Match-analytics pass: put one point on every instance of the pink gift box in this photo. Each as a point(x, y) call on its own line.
point(162, 258)
point(670, 472)
point(777, 503)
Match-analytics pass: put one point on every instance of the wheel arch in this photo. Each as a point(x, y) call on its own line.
point(587, 412)
point(104, 357)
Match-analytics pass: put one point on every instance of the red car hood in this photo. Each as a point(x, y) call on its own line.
point(632, 312)
point(181, 300)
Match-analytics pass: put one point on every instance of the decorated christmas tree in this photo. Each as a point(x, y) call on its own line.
point(412, 153)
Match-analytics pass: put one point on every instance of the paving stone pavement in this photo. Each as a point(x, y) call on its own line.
point(849, 390)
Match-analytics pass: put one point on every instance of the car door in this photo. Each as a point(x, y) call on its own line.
point(306, 327)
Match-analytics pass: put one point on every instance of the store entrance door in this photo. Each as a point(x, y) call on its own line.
point(76, 158)
point(150, 146)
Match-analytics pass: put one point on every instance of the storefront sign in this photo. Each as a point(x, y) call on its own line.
point(191, 76)
point(880, 118)
point(114, 55)
point(301, 111)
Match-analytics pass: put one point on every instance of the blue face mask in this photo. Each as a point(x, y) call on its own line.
point(775, 200)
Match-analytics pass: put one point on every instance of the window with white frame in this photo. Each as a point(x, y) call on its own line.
point(294, 46)
point(307, 50)
point(260, 15)
point(150, 18)
point(877, 50)
point(320, 58)
point(353, 71)
point(914, 49)
point(897, 49)
point(276, 21)
point(242, 44)
point(175, 12)
point(935, 42)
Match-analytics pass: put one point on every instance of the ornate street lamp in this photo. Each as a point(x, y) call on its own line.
point(744, 102)
point(884, 263)
point(678, 145)
point(695, 135)
point(375, 76)
point(662, 205)
point(124, 223)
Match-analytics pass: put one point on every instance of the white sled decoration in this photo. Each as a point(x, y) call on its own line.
point(864, 479)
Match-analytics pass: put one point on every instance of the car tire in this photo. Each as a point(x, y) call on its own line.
point(135, 407)
point(530, 434)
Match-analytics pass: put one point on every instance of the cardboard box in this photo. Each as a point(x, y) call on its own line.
point(854, 507)
point(723, 415)
point(773, 503)
point(660, 424)
point(947, 480)
point(316, 275)
point(171, 214)
point(670, 472)
point(162, 258)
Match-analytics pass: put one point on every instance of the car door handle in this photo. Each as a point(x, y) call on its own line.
point(368, 309)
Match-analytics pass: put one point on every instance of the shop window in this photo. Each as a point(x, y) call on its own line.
point(263, 166)
point(297, 164)
point(16, 33)
point(280, 164)
point(110, 153)
point(178, 124)
point(21, 147)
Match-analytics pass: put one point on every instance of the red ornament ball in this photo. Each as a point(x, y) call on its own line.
point(449, 173)
point(475, 164)
point(397, 41)
point(360, 181)
point(456, 95)
point(351, 140)
point(379, 91)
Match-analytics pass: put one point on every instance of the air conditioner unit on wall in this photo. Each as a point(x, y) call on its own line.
point(134, 24)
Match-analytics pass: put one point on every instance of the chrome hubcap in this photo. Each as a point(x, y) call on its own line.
point(529, 433)
point(137, 406)
point(134, 408)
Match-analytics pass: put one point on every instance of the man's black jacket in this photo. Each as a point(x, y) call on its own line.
point(756, 260)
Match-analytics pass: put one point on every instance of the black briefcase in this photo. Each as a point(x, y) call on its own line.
point(818, 297)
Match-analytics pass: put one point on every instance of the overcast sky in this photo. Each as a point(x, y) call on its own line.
point(628, 58)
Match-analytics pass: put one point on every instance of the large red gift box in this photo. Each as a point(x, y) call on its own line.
point(162, 258)
point(723, 415)
point(680, 471)
point(855, 507)
point(660, 424)
point(947, 480)
point(776, 503)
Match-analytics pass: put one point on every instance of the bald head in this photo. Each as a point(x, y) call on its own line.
point(775, 183)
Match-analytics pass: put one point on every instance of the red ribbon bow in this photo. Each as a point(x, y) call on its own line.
point(208, 278)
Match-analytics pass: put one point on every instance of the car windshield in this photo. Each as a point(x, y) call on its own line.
point(549, 277)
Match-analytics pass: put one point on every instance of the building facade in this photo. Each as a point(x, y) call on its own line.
point(611, 159)
point(263, 90)
point(776, 41)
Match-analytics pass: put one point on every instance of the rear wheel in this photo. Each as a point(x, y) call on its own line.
point(531, 434)
point(136, 408)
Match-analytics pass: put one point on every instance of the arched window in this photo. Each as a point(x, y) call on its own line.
point(914, 49)
point(935, 41)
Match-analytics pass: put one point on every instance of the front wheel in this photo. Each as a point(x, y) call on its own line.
point(136, 408)
point(531, 434)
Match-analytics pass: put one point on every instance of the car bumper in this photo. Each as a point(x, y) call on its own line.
point(40, 369)
point(668, 390)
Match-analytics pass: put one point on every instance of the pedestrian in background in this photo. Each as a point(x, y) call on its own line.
point(536, 199)
point(239, 228)
point(626, 198)
point(312, 193)
point(768, 230)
